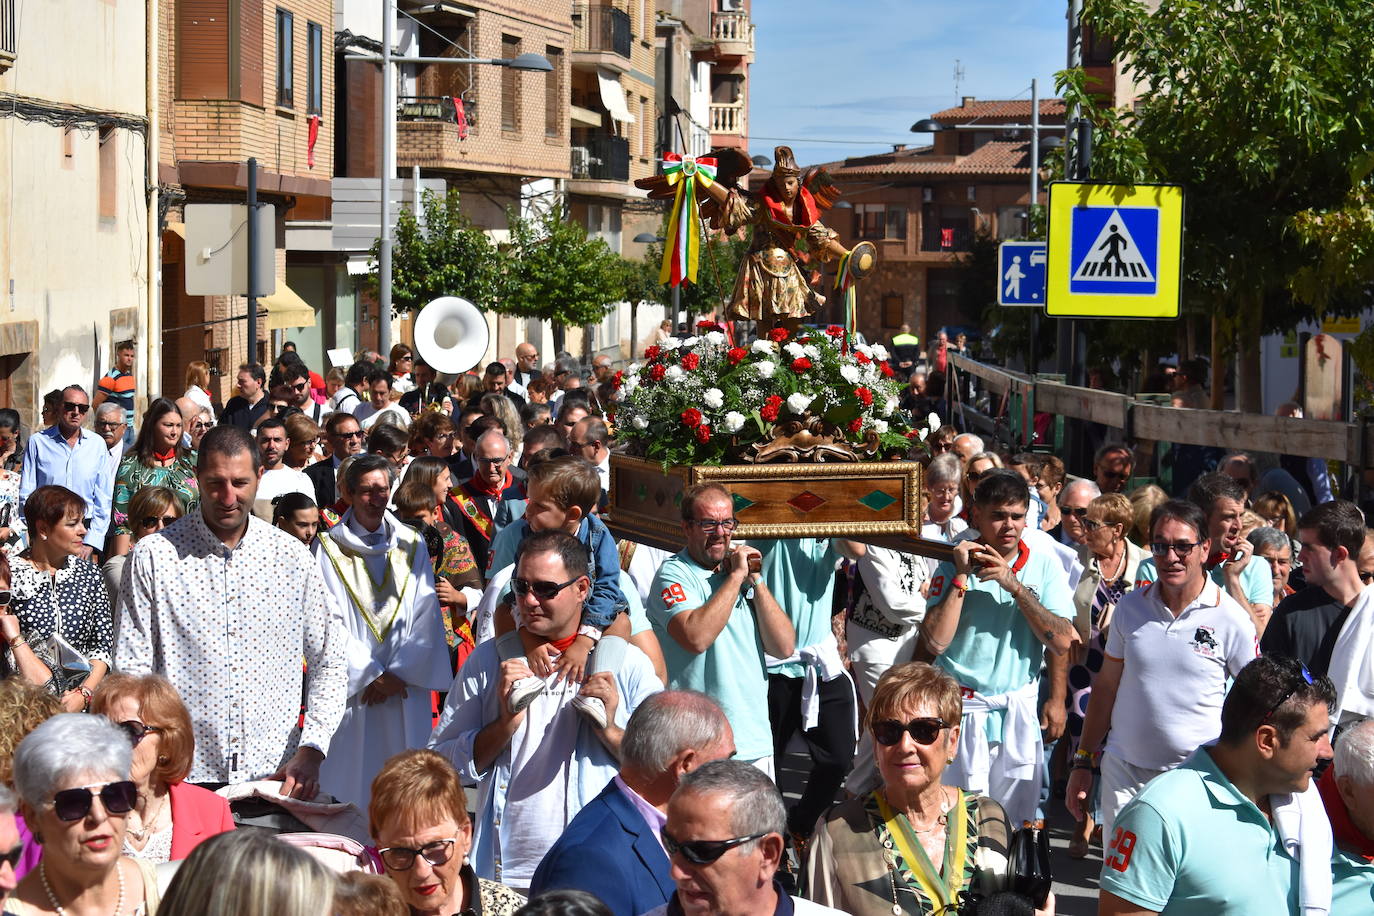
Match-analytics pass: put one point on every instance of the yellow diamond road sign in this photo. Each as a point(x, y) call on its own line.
point(1115, 251)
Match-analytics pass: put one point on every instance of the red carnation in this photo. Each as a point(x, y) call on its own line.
point(864, 395)
point(855, 425)
point(835, 331)
point(771, 405)
point(911, 434)
point(735, 354)
point(777, 335)
point(653, 352)
point(861, 359)
point(618, 379)
point(708, 325)
point(690, 361)
point(801, 364)
point(692, 417)
point(703, 433)
point(657, 371)
point(886, 370)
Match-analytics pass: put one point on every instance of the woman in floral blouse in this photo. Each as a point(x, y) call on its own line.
point(157, 459)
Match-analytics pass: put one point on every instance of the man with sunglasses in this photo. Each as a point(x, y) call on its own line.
point(1073, 508)
point(1112, 466)
point(715, 618)
point(537, 767)
point(75, 458)
point(11, 844)
point(1238, 828)
point(1170, 650)
point(1231, 562)
point(291, 382)
point(1307, 625)
point(345, 436)
point(994, 614)
point(723, 835)
point(590, 438)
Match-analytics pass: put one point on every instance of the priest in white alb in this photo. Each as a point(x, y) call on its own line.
point(378, 573)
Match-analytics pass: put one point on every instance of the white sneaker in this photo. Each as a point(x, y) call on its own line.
point(523, 692)
point(592, 708)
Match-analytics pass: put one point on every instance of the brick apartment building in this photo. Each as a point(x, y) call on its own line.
point(922, 206)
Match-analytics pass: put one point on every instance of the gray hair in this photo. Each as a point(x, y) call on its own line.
point(945, 468)
point(8, 803)
point(1094, 491)
point(970, 437)
point(668, 723)
point(341, 475)
point(756, 806)
point(1264, 536)
point(498, 434)
point(65, 745)
point(108, 407)
point(1355, 753)
point(364, 464)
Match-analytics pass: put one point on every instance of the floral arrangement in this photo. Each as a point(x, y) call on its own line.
point(700, 400)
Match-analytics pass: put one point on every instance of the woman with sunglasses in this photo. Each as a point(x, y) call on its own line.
point(977, 466)
point(402, 361)
point(151, 509)
point(60, 598)
point(1109, 563)
point(72, 773)
point(201, 424)
point(914, 841)
point(171, 817)
point(158, 459)
point(418, 817)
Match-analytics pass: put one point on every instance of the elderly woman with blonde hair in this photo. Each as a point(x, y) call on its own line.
point(246, 873)
point(920, 841)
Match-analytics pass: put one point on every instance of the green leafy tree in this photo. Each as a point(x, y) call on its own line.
point(1264, 115)
point(445, 256)
point(558, 274)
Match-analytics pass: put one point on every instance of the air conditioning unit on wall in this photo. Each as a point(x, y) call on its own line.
point(731, 6)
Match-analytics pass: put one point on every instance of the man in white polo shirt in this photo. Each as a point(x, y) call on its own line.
point(990, 615)
point(1171, 647)
point(1231, 561)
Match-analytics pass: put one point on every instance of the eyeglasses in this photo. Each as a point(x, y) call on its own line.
point(137, 730)
point(946, 492)
point(401, 858)
point(1076, 511)
point(575, 444)
point(5, 597)
point(150, 521)
point(494, 462)
point(356, 434)
point(12, 857)
point(106, 424)
point(1298, 685)
point(1090, 525)
point(405, 359)
point(704, 852)
point(1114, 475)
point(73, 407)
point(710, 525)
point(74, 804)
point(541, 590)
point(976, 476)
point(200, 424)
point(923, 731)
point(301, 386)
point(1365, 577)
point(1182, 549)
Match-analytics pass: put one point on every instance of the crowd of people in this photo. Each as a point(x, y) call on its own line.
point(258, 654)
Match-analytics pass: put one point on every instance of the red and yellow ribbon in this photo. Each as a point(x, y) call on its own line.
point(848, 284)
point(682, 248)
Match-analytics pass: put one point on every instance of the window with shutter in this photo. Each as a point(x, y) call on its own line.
point(553, 94)
point(510, 85)
point(202, 65)
point(247, 53)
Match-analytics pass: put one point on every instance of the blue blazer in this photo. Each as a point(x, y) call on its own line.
point(610, 851)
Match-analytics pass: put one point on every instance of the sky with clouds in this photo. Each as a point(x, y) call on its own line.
point(863, 71)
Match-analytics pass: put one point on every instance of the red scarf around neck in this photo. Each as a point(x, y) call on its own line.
point(167, 455)
point(481, 486)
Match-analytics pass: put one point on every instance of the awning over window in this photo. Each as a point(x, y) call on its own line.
point(285, 309)
point(613, 96)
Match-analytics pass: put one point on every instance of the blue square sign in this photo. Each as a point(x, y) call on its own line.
point(1021, 273)
point(1114, 250)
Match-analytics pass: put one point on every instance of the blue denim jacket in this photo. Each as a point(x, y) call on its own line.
point(606, 601)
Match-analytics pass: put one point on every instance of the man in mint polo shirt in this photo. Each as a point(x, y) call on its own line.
point(990, 617)
point(1232, 564)
point(1218, 836)
point(715, 619)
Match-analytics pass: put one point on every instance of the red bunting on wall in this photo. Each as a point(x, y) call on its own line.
point(460, 118)
point(314, 136)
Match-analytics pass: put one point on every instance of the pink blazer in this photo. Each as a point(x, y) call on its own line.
point(197, 815)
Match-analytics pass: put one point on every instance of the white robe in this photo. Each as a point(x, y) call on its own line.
point(414, 650)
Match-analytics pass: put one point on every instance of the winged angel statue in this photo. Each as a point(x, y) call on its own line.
point(788, 234)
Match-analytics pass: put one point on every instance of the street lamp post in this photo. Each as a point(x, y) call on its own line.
point(525, 62)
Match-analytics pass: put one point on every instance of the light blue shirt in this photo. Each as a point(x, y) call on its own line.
point(85, 470)
point(731, 670)
point(1352, 887)
point(800, 573)
point(1256, 579)
point(1190, 844)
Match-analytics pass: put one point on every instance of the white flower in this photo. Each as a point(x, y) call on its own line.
point(794, 349)
point(798, 402)
point(933, 422)
point(880, 426)
point(641, 423)
point(670, 343)
point(850, 373)
point(674, 372)
point(713, 398)
point(715, 338)
point(812, 351)
point(865, 349)
point(764, 346)
point(734, 422)
point(879, 352)
point(766, 368)
point(922, 433)
point(633, 369)
point(889, 407)
point(630, 383)
point(690, 342)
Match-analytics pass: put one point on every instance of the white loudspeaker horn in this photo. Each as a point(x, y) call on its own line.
point(451, 335)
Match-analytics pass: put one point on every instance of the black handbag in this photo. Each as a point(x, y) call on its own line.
point(1028, 862)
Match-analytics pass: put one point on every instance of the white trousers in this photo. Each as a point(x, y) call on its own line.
point(1020, 798)
point(870, 655)
point(1121, 781)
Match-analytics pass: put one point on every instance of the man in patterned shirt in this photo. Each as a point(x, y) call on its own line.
point(225, 607)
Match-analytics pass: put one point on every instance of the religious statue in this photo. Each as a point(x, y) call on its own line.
point(788, 234)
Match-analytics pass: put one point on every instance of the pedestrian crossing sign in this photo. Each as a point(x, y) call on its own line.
point(1115, 251)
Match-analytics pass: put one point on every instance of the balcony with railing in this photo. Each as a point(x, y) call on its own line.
point(733, 34)
point(946, 238)
point(430, 132)
point(9, 35)
point(601, 36)
point(598, 156)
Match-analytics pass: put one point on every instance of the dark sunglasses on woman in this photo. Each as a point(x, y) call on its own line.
point(137, 730)
point(923, 731)
point(74, 804)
